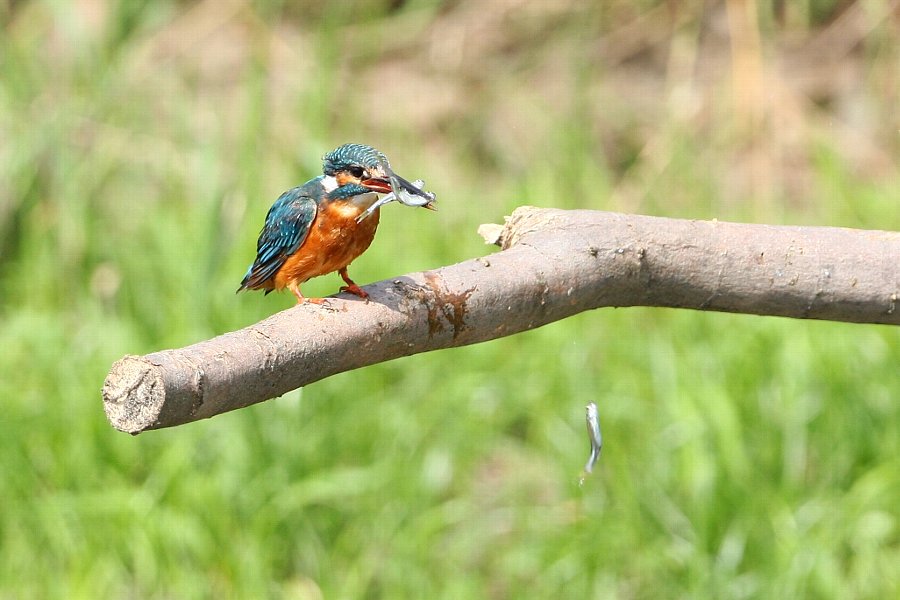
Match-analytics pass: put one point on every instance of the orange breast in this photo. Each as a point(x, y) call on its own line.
point(335, 239)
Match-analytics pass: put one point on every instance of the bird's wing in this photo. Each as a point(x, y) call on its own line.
point(286, 228)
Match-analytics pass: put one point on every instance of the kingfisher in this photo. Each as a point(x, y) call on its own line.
point(322, 226)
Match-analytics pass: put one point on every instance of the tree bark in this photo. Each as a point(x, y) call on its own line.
point(554, 264)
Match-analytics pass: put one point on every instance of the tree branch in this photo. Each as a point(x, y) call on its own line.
point(554, 264)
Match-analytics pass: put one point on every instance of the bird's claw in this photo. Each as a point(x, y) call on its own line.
point(317, 301)
point(355, 290)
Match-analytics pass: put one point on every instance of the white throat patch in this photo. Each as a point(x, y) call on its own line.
point(329, 182)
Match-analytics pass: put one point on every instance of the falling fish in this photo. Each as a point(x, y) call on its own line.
point(592, 419)
point(406, 192)
point(593, 426)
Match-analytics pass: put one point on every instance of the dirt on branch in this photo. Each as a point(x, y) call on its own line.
point(553, 264)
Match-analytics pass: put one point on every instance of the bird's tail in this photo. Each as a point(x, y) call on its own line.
point(256, 279)
point(247, 282)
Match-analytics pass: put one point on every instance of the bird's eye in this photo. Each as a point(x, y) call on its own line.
point(356, 171)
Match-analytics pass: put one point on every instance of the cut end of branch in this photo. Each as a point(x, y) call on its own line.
point(492, 233)
point(133, 394)
point(524, 220)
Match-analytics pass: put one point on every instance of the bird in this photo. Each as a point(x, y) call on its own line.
point(322, 226)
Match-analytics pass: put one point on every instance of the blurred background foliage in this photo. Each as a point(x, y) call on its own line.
point(141, 144)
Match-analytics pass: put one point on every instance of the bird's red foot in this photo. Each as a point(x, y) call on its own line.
point(355, 290)
point(301, 299)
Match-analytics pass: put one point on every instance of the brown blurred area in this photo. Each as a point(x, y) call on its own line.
point(755, 87)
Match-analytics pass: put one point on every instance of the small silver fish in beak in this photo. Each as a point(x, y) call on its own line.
point(409, 193)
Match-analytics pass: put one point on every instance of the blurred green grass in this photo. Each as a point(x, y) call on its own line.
point(141, 146)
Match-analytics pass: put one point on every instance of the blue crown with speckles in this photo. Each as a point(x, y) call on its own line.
point(343, 157)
